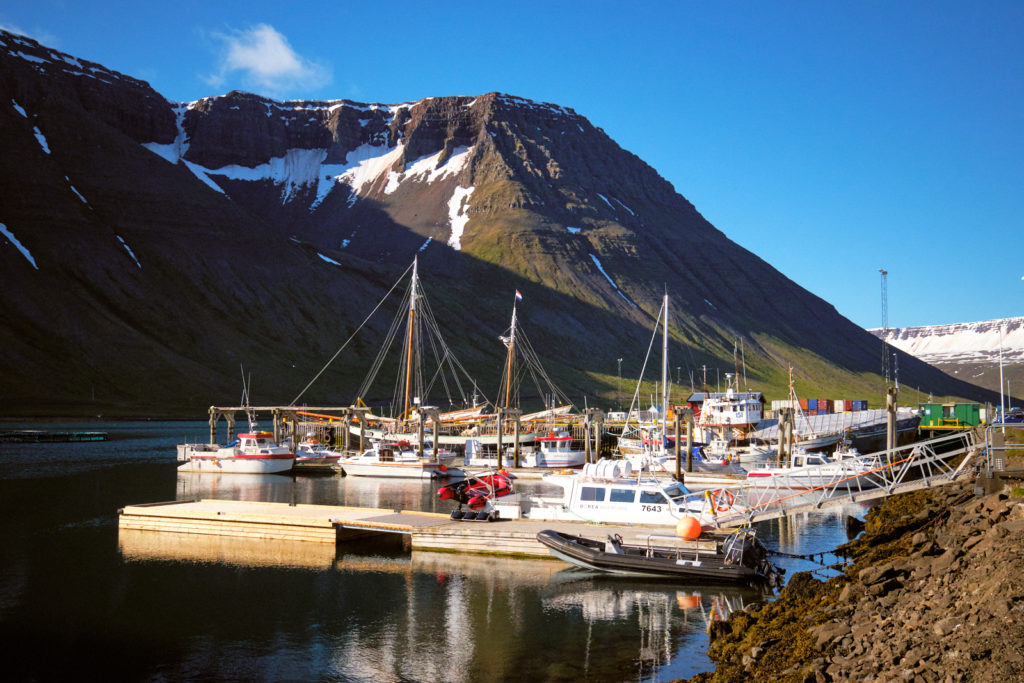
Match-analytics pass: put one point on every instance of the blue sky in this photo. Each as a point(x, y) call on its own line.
point(831, 139)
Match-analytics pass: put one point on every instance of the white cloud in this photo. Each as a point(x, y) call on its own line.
point(38, 35)
point(267, 63)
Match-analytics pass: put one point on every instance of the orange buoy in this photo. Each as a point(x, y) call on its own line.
point(685, 601)
point(688, 528)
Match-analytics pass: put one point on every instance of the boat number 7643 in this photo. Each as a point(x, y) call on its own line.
point(651, 508)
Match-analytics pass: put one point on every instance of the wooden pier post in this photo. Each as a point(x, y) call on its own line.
point(501, 428)
point(295, 431)
point(598, 428)
point(588, 456)
point(516, 413)
point(436, 415)
point(347, 423)
point(214, 416)
point(360, 414)
point(688, 412)
point(230, 417)
point(419, 431)
point(890, 417)
point(676, 445)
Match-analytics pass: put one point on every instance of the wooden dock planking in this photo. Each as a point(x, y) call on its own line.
point(325, 524)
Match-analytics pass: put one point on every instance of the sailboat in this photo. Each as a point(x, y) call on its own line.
point(543, 448)
point(651, 450)
point(396, 439)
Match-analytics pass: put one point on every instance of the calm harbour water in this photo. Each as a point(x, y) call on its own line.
point(79, 600)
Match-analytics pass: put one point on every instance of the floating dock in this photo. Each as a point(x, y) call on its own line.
point(40, 436)
point(333, 525)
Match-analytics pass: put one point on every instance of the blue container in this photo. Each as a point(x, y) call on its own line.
point(812, 404)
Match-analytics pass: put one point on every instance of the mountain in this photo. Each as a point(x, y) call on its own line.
point(970, 351)
point(151, 248)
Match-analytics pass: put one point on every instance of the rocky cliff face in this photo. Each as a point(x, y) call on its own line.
point(151, 247)
point(931, 594)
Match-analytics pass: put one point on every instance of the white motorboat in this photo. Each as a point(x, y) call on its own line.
point(313, 453)
point(554, 450)
point(394, 460)
point(608, 492)
point(812, 470)
point(252, 453)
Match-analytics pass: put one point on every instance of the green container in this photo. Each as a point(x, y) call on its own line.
point(949, 415)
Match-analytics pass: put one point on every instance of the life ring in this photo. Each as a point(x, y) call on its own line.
point(718, 495)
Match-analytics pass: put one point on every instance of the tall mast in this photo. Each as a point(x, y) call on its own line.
point(664, 371)
point(409, 339)
point(511, 358)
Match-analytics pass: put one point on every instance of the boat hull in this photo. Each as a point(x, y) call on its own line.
point(238, 464)
point(401, 470)
point(686, 565)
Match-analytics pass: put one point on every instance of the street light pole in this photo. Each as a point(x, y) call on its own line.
point(618, 387)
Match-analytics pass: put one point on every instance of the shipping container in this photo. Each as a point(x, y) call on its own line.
point(812, 412)
point(848, 405)
point(803, 404)
point(812, 404)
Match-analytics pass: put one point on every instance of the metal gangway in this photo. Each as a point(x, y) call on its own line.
point(919, 465)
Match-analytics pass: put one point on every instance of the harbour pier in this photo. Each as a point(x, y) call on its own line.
point(328, 524)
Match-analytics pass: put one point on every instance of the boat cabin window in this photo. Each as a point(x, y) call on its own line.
point(622, 496)
point(592, 493)
point(652, 498)
point(677, 492)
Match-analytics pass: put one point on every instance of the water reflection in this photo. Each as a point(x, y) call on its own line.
point(209, 608)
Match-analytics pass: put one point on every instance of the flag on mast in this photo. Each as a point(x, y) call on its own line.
point(519, 297)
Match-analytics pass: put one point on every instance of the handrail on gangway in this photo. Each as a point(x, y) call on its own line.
point(876, 475)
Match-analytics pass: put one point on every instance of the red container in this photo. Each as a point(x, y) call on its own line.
point(803, 404)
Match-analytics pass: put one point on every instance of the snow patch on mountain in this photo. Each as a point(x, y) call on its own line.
point(426, 169)
point(458, 215)
point(362, 165)
point(611, 281)
point(75, 190)
point(41, 138)
point(129, 250)
point(18, 108)
point(297, 168)
point(960, 342)
point(18, 245)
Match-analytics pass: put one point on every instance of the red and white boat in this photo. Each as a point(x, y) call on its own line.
point(252, 453)
point(556, 450)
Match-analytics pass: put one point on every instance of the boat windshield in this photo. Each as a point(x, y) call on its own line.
point(677, 492)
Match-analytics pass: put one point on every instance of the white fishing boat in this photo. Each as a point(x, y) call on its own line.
point(555, 449)
point(731, 416)
point(313, 453)
point(810, 469)
point(607, 491)
point(395, 460)
point(251, 453)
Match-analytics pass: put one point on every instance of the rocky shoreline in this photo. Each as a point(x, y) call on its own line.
point(934, 592)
